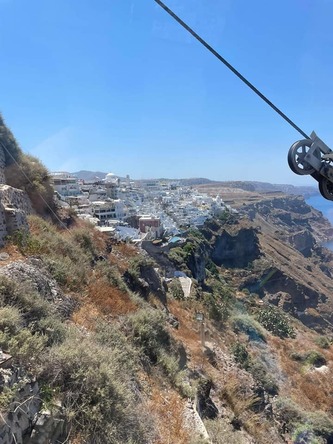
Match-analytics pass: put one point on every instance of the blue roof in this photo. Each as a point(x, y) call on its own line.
point(174, 239)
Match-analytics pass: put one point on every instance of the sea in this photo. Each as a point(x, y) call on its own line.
point(326, 207)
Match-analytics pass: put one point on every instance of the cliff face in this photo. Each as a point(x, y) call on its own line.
point(273, 248)
point(294, 272)
point(290, 219)
point(235, 250)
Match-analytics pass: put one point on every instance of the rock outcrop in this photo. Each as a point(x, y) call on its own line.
point(237, 249)
point(33, 272)
point(14, 205)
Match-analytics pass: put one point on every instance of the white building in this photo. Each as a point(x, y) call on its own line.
point(65, 184)
point(109, 209)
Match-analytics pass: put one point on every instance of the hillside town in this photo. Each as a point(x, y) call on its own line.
point(136, 210)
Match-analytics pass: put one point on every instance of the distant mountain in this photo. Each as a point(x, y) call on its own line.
point(89, 175)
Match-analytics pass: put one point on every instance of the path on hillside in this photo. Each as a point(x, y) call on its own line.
point(186, 284)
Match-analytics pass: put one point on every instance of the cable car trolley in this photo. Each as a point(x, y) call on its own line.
point(312, 156)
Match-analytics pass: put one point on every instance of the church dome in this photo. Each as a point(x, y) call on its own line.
point(110, 177)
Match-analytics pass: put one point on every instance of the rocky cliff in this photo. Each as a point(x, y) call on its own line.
point(105, 344)
point(272, 248)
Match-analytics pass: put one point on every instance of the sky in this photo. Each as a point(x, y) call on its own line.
point(118, 86)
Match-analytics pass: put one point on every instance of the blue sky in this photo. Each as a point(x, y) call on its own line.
point(117, 85)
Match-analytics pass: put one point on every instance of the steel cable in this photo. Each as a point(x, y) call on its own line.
point(234, 70)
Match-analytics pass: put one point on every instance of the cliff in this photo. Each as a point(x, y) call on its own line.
point(106, 346)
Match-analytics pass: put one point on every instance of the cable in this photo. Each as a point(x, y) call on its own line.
point(25, 175)
point(228, 65)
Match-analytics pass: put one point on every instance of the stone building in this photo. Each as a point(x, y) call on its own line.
point(14, 205)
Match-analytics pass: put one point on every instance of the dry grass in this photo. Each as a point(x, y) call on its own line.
point(14, 254)
point(121, 255)
point(86, 316)
point(188, 333)
point(126, 250)
point(167, 408)
point(109, 299)
point(307, 387)
point(234, 389)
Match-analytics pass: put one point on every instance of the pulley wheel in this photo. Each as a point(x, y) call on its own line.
point(326, 188)
point(296, 155)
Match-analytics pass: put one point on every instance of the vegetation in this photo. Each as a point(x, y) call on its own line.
point(122, 371)
point(176, 290)
point(245, 323)
point(323, 342)
point(26, 173)
point(276, 322)
point(10, 145)
point(305, 425)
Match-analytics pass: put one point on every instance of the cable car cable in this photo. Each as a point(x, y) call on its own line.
point(234, 70)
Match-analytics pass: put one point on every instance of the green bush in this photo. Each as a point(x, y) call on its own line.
point(212, 268)
point(217, 310)
point(108, 335)
point(13, 152)
point(83, 237)
point(175, 289)
point(10, 320)
point(241, 354)
point(112, 275)
point(315, 358)
point(289, 412)
point(304, 424)
point(276, 322)
point(67, 273)
point(97, 392)
point(35, 181)
point(263, 377)
point(255, 367)
point(323, 342)
point(26, 348)
point(24, 297)
point(246, 324)
point(149, 332)
point(305, 434)
point(220, 289)
point(68, 255)
point(26, 243)
point(322, 425)
point(169, 363)
point(178, 256)
point(52, 328)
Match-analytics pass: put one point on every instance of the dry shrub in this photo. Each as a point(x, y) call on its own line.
point(188, 327)
point(237, 395)
point(87, 316)
point(167, 409)
point(109, 299)
point(126, 250)
point(309, 388)
point(121, 255)
point(99, 239)
point(95, 376)
point(234, 388)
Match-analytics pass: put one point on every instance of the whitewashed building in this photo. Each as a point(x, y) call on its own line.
point(65, 184)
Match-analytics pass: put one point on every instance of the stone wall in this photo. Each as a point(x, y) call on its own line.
point(14, 208)
point(24, 422)
point(21, 416)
